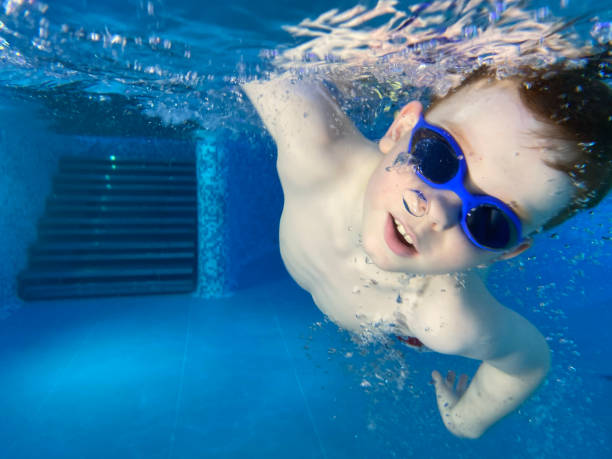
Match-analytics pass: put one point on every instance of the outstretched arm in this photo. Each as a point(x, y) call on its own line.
point(312, 133)
point(298, 110)
point(499, 386)
point(515, 356)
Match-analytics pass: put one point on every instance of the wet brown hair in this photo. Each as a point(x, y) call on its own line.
point(575, 103)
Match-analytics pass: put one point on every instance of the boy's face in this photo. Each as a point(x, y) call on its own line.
point(504, 156)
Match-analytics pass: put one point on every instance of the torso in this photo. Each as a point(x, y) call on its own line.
point(320, 246)
point(324, 164)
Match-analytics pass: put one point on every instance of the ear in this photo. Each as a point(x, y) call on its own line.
point(517, 250)
point(403, 124)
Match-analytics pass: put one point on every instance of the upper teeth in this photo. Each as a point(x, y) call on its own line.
point(402, 231)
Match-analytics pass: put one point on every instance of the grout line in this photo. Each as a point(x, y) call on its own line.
point(179, 396)
point(297, 379)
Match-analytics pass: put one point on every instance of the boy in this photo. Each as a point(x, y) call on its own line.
point(387, 237)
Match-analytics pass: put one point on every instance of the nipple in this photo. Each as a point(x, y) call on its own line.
point(415, 202)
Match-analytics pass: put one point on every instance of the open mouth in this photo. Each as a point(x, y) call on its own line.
point(398, 239)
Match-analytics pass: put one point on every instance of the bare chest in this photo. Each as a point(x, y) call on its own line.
point(322, 251)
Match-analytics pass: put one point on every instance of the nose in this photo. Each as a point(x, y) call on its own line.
point(415, 202)
point(444, 210)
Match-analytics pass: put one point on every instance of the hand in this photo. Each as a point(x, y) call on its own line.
point(448, 395)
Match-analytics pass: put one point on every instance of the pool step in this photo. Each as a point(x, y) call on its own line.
point(91, 165)
point(38, 259)
point(122, 209)
point(118, 188)
point(95, 246)
point(128, 221)
point(115, 227)
point(114, 199)
point(115, 177)
point(101, 289)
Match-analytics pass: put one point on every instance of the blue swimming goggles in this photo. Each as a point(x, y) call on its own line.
point(439, 162)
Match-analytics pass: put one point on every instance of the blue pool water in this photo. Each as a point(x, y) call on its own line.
point(246, 366)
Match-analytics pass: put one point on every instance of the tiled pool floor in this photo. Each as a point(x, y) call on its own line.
point(245, 376)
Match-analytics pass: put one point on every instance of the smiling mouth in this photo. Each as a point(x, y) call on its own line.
point(398, 239)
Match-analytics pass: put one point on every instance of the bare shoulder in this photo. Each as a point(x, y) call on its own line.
point(313, 135)
point(458, 315)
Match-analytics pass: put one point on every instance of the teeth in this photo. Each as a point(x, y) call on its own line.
point(402, 231)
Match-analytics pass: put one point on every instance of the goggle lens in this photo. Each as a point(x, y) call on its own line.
point(490, 227)
point(433, 156)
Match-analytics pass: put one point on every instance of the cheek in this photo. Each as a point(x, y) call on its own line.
point(376, 189)
point(387, 180)
point(374, 214)
point(472, 257)
point(457, 253)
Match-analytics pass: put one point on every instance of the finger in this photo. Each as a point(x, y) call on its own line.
point(462, 384)
point(445, 397)
point(439, 382)
point(450, 378)
point(440, 385)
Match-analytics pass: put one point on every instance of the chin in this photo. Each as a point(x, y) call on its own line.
point(384, 260)
point(386, 264)
point(387, 261)
point(376, 253)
